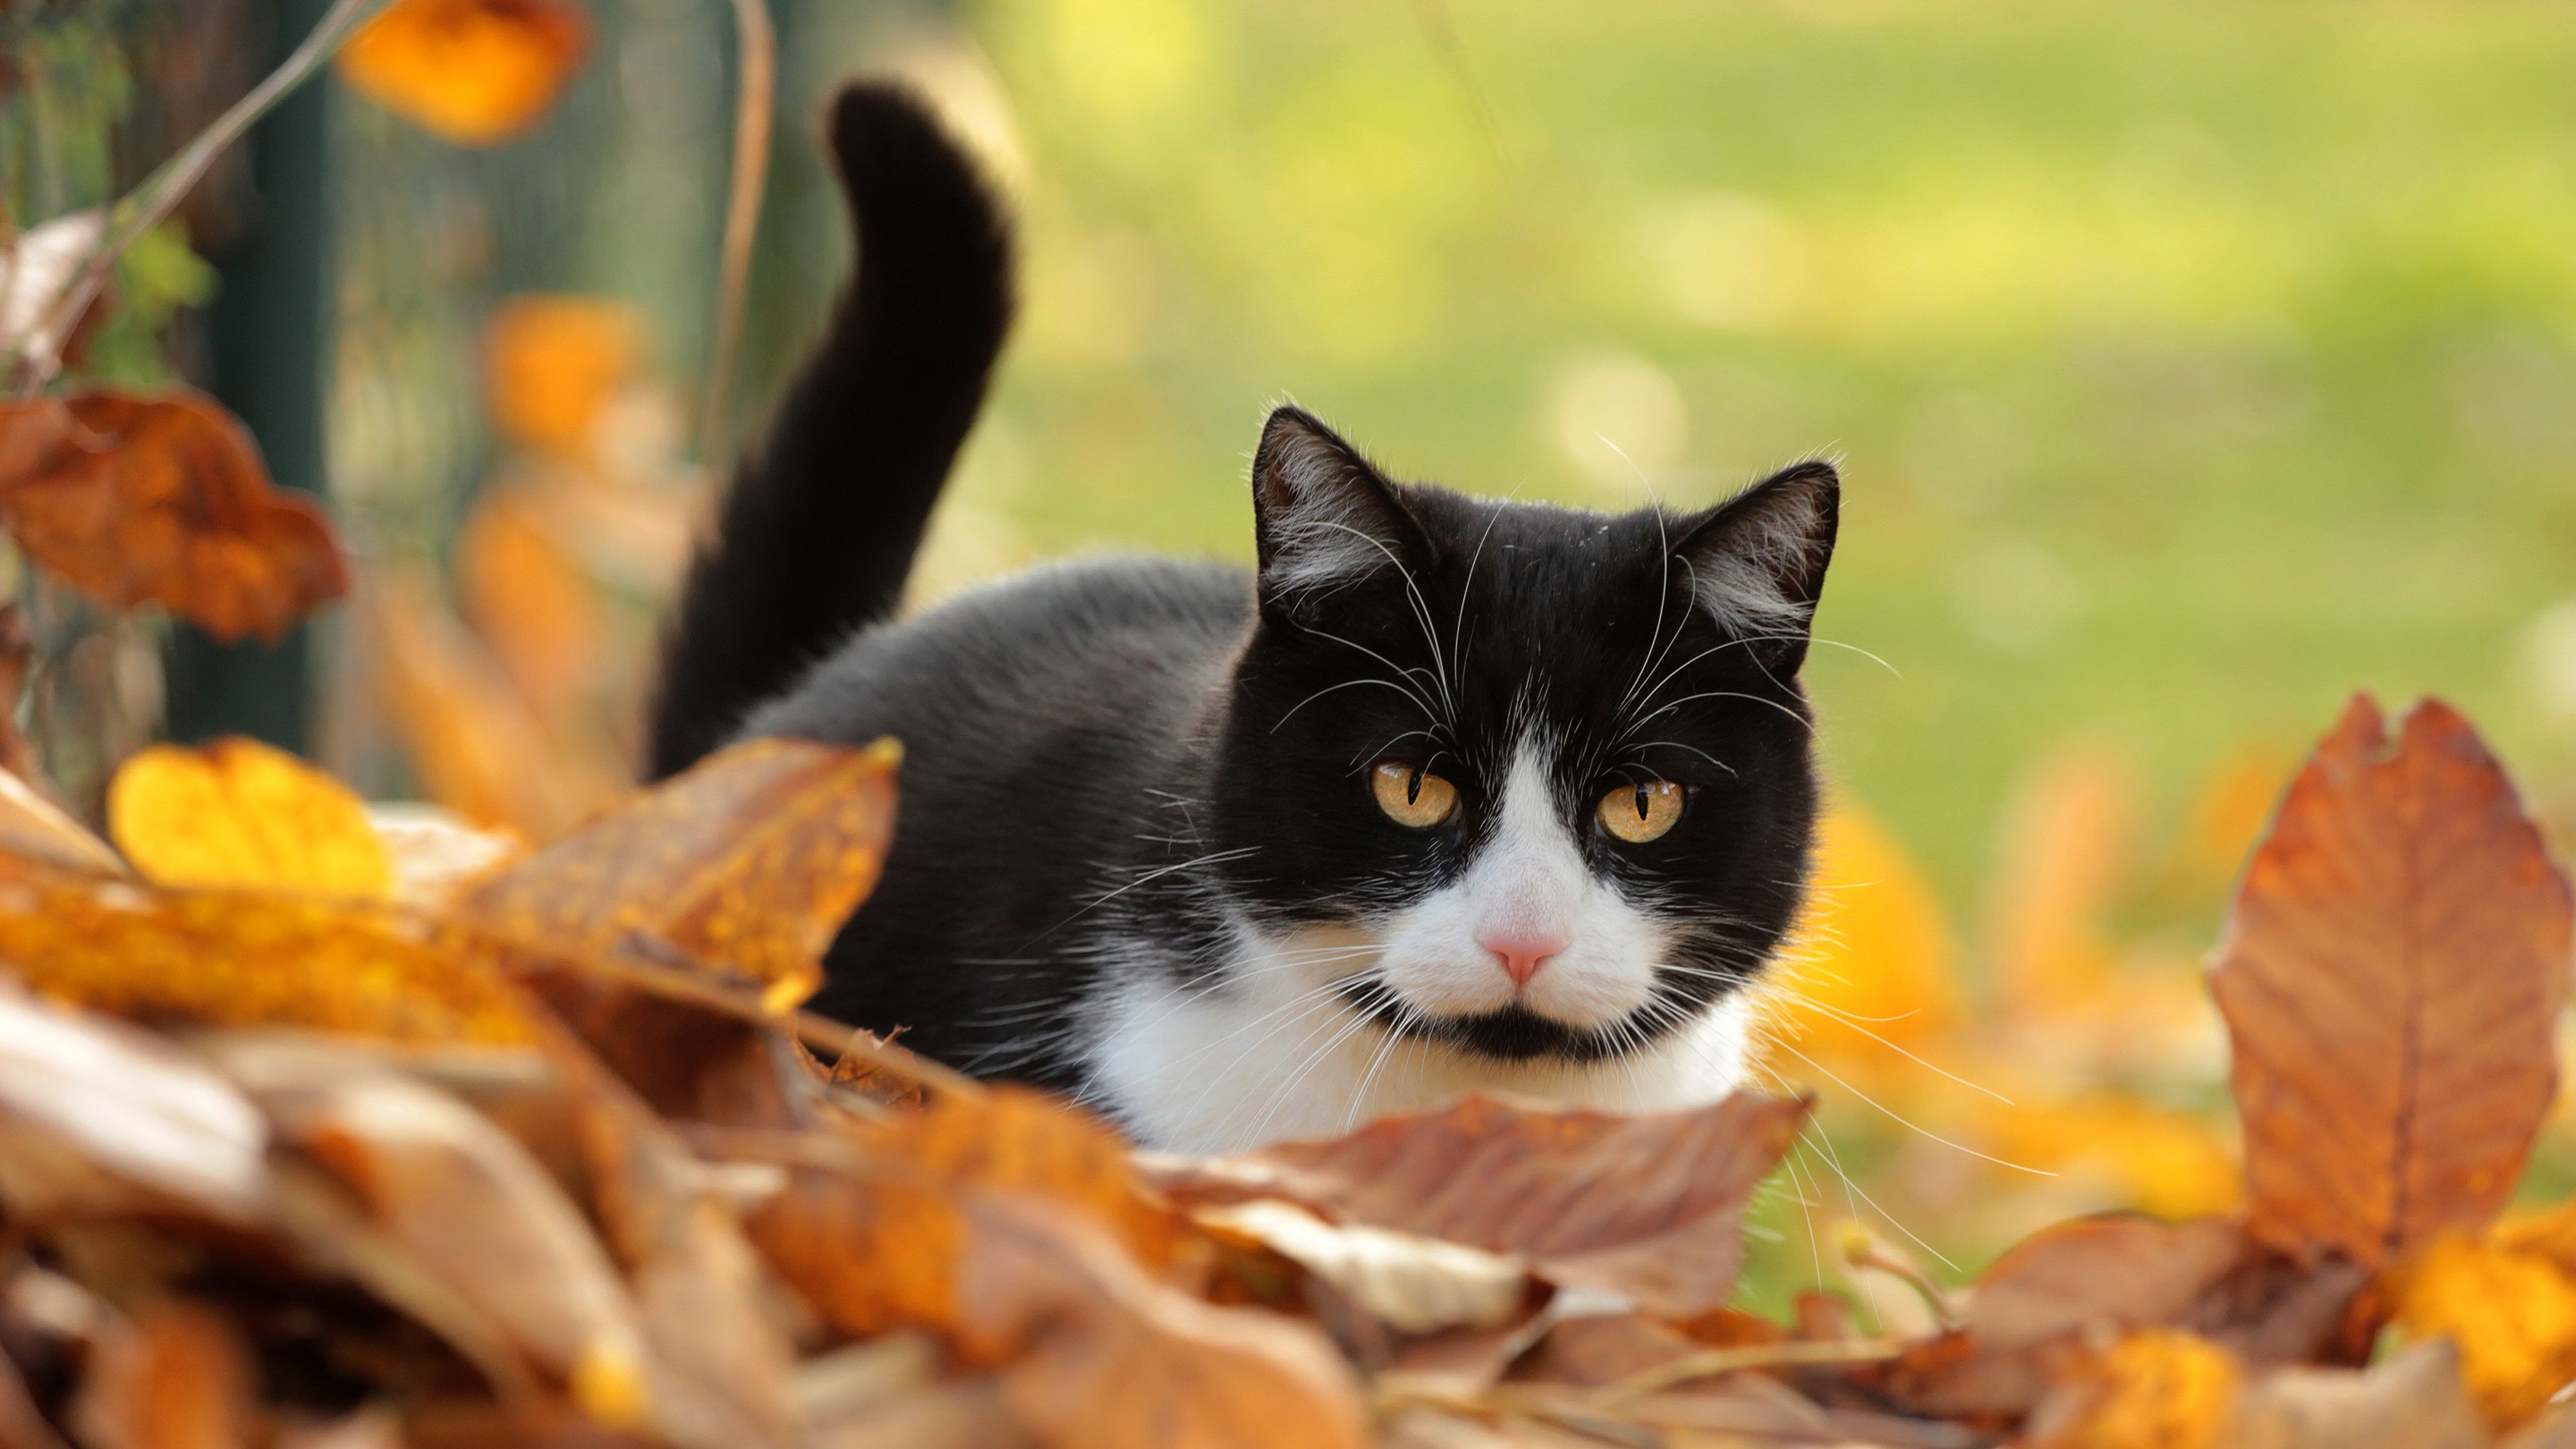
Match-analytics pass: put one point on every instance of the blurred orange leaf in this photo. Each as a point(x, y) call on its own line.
point(2154, 1389)
point(2065, 854)
point(473, 71)
point(163, 500)
point(246, 958)
point(751, 860)
point(530, 602)
point(240, 813)
point(1872, 964)
point(1645, 1206)
point(2512, 1314)
point(2391, 974)
point(552, 363)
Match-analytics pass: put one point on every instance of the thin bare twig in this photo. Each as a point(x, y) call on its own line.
point(754, 106)
point(160, 193)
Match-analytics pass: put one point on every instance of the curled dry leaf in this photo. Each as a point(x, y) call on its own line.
point(1109, 1359)
point(466, 1204)
point(881, 1240)
point(247, 958)
point(1412, 1284)
point(750, 860)
point(436, 856)
point(164, 500)
point(240, 813)
point(95, 1115)
point(35, 266)
point(2391, 974)
point(1644, 1206)
point(475, 72)
point(34, 828)
point(177, 1377)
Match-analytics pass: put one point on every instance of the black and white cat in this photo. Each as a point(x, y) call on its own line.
point(1449, 793)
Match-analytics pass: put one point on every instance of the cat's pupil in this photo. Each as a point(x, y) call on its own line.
point(1641, 802)
point(1413, 789)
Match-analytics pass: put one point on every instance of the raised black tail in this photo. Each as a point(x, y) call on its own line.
point(822, 521)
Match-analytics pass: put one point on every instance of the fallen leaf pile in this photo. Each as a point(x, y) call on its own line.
point(323, 1125)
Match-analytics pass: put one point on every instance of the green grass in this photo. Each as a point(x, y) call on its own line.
point(2192, 364)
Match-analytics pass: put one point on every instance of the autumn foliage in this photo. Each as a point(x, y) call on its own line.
point(310, 1125)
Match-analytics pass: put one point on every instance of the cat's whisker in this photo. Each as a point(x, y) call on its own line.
point(1420, 606)
point(1855, 1024)
point(1908, 1123)
point(1803, 722)
point(1354, 684)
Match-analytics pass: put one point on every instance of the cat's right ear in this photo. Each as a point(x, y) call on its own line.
point(1323, 517)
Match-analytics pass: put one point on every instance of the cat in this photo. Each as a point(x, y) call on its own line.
point(1445, 794)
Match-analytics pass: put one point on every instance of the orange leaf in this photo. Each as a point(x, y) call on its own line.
point(473, 71)
point(1872, 964)
point(2512, 1313)
point(2391, 975)
point(751, 860)
point(239, 813)
point(246, 958)
point(552, 363)
point(164, 500)
point(2154, 1389)
point(179, 1377)
point(531, 603)
point(1647, 1206)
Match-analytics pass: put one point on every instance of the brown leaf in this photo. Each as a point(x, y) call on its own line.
point(2122, 1269)
point(2391, 975)
point(177, 1377)
point(1116, 1361)
point(1645, 1206)
point(2412, 1401)
point(164, 500)
point(247, 958)
point(95, 1116)
point(465, 1203)
point(880, 1240)
point(34, 828)
point(751, 860)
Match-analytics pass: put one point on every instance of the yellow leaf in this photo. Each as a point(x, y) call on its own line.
point(473, 71)
point(247, 958)
point(1873, 961)
point(2156, 1389)
point(2512, 1313)
point(552, 363)
point(2151, 1158)
point(238, 813)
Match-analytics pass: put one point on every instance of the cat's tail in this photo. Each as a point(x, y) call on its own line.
point(819, 529)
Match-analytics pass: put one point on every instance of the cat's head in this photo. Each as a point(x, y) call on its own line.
point(1528, 781)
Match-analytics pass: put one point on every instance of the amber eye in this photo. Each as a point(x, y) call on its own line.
point(1411, 796)
point(1639, 813)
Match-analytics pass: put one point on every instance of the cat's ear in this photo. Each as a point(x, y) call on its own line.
point(1757, 561)
point(1323, 517)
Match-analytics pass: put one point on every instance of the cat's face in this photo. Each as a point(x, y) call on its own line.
point(1526, 781)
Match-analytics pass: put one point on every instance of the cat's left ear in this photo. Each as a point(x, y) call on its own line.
point(1324, 518)
point(1757, 561)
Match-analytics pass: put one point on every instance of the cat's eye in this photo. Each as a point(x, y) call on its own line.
point(1639, 813)
point(1412, 796)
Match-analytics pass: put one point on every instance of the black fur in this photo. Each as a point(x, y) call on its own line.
point(1111, 765)
point(819, 528)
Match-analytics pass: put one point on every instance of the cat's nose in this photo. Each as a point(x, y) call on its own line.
point(1521, 952)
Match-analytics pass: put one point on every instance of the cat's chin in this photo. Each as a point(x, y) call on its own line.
point(1514, 1033)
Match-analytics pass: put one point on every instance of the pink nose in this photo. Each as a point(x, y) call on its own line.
point(1521, 953)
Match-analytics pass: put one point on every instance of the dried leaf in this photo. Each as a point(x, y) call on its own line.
point(34, 268)
point(2390, 977)
point(551, 364)
point(2413, 1401)
point(34, 828)
point(436, 857)
point(1645, 1206)
point(475, 72)
point(2124, 1269)
point(751, 860)
point(1410, 1283)
point(2512, 1315)
point(466, 1204)
point(240, 813)
point(2154, 1389)
point(179, 1377)
point(164, 500)
point(248, 958)
point(1113, 1360)
point(96, 1116)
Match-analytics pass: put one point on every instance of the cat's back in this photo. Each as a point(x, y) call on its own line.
point(1115, 642)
